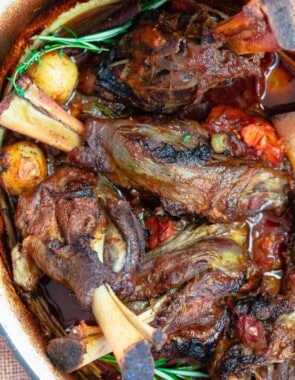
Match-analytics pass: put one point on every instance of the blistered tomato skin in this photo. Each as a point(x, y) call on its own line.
point(247, 136)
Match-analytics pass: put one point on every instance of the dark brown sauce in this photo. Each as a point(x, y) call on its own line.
point(269, 248)
point(279, 94)
point(63, 304)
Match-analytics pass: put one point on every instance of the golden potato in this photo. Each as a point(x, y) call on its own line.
point(23, 166)
point(56, 75)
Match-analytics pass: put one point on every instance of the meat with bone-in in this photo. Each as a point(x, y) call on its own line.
point(199, 279)
point(190, 254)
point(157, 157)
point(63, 223)
point(206, 263)
point(168, 61)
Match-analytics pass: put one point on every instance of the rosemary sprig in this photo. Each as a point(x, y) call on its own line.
point(88, 42)
point(162, 372)
point(35, 56)
point(154, 4)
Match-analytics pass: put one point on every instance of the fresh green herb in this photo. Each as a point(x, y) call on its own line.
point(186, 138)
point(152, 4)
point(87, 42)
point(111, 360)
point(17, 89)
point(164, 372)
point(35, 56)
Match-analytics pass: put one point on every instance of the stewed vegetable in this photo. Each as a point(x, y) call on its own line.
point(167, 209)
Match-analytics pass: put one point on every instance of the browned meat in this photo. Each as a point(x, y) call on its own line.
point(169, 61)
point(197, 342)
point(54, 210)
point(261, 334)
point(171, 269)
point(195, 270)
point(197, 300)
point(76, 267)
point(63, 224)
point(196, 273)
point(172, 159)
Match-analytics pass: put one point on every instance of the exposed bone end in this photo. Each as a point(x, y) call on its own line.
point(92, 344)
point(66, 354)
point(138, 362)
point(44, 102)
point(125, 334)
point(244, 32)
point(69, 354)
point(156, 337)
point(37, 116)
point(22, 116)
point(241, 45)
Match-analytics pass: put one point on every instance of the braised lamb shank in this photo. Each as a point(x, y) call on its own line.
point(151, 155)
point(66, 219)
point(70, 237)
point(169, 61)
point(199, 278)
point(212, 305)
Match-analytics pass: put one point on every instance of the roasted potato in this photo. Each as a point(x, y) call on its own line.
point(23, 166)
point(56, 75)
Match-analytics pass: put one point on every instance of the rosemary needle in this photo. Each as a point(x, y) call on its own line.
point(152, 4)
point(87, 42)
point(166, 373)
